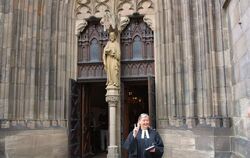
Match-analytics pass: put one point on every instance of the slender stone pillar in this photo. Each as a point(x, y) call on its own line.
point(112, 98)
point(111, 61)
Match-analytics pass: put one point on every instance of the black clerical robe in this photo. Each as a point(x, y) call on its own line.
point(136, 146)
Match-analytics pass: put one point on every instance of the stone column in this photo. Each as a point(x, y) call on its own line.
point(112, 98)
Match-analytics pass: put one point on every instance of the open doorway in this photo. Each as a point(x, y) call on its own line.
point(135, 102)
point(95, 120)
point(139, 97)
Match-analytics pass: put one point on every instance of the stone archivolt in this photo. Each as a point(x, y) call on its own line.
point(123, 8)
point(193, 86)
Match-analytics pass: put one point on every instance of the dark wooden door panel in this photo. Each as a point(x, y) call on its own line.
point(151, 101)
point(75, 120)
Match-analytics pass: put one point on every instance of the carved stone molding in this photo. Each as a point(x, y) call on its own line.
point(87, 8)
point(112, 98)
point(80, 26)
point(113, 12)
point(139, 69)
point(149, 20)
point(129, 7)
point(192, 122)
point(124, 21)
point(112, 95)
point(83, 9)
point(31, 124)
point(86, 71)
point(143, 7)
point(110, 20)
point(126, 7)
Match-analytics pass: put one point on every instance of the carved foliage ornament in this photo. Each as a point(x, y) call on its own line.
point(88, 8)
point(118, 22)
point(94, 6)
point(113, 12)
point(80, 26)
point(112, 99)
point(128, 7)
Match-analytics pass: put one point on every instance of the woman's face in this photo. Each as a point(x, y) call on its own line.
point(112, 36)
point(144, 122)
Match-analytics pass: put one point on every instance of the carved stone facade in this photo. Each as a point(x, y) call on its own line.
point(136, 34)
point(37, 45)
point(196, 76)
point(239, 25)
point(35, 65)
point(202, 48)
point(123, 8)
point(201, 63)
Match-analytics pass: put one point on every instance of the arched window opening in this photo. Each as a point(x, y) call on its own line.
point(94, 50)
point(137, 48)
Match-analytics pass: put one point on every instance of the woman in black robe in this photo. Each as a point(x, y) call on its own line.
point(143, 141)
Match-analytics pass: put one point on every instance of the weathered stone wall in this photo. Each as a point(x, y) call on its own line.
point(201, 142)
point(192, 63)
point(50, 143)
point(37, 58)
point(193, 78)
point(239, 24)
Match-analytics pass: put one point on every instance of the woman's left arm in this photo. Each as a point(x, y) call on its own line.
point(159, 146)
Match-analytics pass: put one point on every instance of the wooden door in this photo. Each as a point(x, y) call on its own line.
point(86, 122)
point(134, 102)
point(75, 120)
point(151, 101)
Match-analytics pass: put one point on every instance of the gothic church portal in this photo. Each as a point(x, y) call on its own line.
point(185, 62)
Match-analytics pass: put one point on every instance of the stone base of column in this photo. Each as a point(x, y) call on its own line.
point(113, 152)
point(191, 122)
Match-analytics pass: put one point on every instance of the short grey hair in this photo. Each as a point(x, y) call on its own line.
point(143, 115)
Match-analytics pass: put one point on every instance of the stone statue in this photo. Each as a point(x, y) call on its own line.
point(111, 60)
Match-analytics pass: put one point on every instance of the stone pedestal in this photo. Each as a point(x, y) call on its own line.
point(112, 98)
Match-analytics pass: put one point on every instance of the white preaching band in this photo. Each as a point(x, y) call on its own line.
point(143, 133)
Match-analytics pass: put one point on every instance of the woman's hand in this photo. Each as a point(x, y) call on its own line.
point(152, 150)
point(136, 129)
